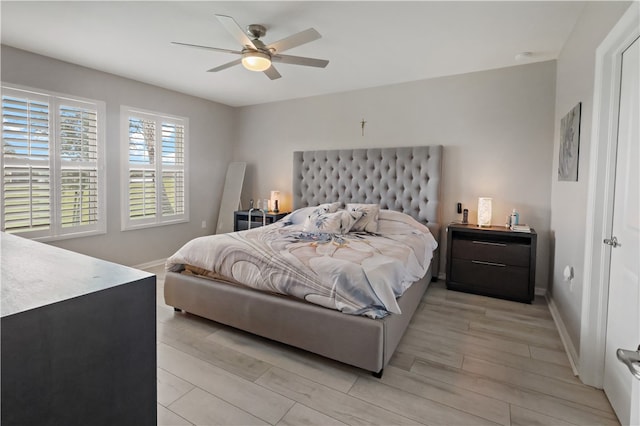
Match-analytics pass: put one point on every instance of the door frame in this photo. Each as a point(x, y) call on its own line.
point(602, 172)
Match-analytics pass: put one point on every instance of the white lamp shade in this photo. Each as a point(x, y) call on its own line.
point(484, 211)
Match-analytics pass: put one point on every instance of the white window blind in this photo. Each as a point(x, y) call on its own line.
point(154, 186)
point(52, 165)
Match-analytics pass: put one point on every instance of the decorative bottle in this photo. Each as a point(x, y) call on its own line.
point(515, 218)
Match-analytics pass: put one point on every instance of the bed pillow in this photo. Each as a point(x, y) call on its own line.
point(329, 207)
point(339, 222)
point(300, 216)
point(369, 220)
point(393, 222)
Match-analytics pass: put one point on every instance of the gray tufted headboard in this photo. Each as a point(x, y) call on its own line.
point(405, 179)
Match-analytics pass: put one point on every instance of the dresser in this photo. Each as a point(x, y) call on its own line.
point(78, 341)
point(492, 261)
point(241, 219)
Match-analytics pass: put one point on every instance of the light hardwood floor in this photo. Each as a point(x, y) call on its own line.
point(465, 360)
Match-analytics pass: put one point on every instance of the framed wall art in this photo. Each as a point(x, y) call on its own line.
point(569, 145)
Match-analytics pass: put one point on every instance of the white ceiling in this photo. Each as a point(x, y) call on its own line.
point(368, 44)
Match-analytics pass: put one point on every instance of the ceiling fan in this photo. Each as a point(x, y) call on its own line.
point(257, 56)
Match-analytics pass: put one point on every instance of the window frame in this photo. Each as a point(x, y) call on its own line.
point(56, 231)
point(158, 219)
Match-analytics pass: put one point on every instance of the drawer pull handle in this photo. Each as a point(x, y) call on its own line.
point(489, 244)
point(502, 265)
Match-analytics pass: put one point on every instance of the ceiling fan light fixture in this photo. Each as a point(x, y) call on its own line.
point(256, 61)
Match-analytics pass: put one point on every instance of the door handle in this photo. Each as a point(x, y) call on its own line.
point(631, 359)
point(613, 242)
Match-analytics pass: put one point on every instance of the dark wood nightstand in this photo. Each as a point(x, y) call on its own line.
point(492, 261)
point(241, 219)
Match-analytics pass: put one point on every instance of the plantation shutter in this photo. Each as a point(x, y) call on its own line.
point(142, 168)
point(52, 165)
point(26, 166)
point(155, 179)
point(79, 166)
point(172, 169)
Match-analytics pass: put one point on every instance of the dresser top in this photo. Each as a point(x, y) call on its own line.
point(473, 228)
point(34, 274)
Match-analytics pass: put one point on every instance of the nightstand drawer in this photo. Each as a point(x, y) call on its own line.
point(492, 278)
point(244, 224)
point(491, 251)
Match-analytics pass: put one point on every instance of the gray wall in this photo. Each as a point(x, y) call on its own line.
point(496, 127)
point(575, 80)
point(211, 127)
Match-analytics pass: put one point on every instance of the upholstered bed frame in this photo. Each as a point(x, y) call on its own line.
point(403, 179)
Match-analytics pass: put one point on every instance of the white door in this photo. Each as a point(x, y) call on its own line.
point(623, 322)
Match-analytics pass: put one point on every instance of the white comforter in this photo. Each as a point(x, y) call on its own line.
point(357, 273)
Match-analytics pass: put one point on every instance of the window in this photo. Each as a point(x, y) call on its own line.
point(154, 180)
point(52, 165)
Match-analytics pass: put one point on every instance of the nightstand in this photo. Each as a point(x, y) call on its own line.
point(492, 261)
point(241, 219)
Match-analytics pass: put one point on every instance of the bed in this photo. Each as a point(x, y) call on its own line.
point(404, 179)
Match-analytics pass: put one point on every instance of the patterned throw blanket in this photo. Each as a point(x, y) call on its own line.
point(358, 273)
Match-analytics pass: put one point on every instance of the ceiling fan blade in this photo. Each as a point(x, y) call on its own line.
point(300, 60)
point(215, 49)
point(272, 73)
point(225, 66)
point(236, 30)
point(295, 40)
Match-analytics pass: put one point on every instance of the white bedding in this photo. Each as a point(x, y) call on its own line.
point(359, 273)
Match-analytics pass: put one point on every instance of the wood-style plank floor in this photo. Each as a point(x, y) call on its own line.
point(465, 360)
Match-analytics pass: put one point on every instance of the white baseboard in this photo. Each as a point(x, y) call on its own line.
point(539, 291)
point(152, 264)
point(572, 354)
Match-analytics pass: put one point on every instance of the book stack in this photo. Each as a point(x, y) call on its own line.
point(521, 228)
